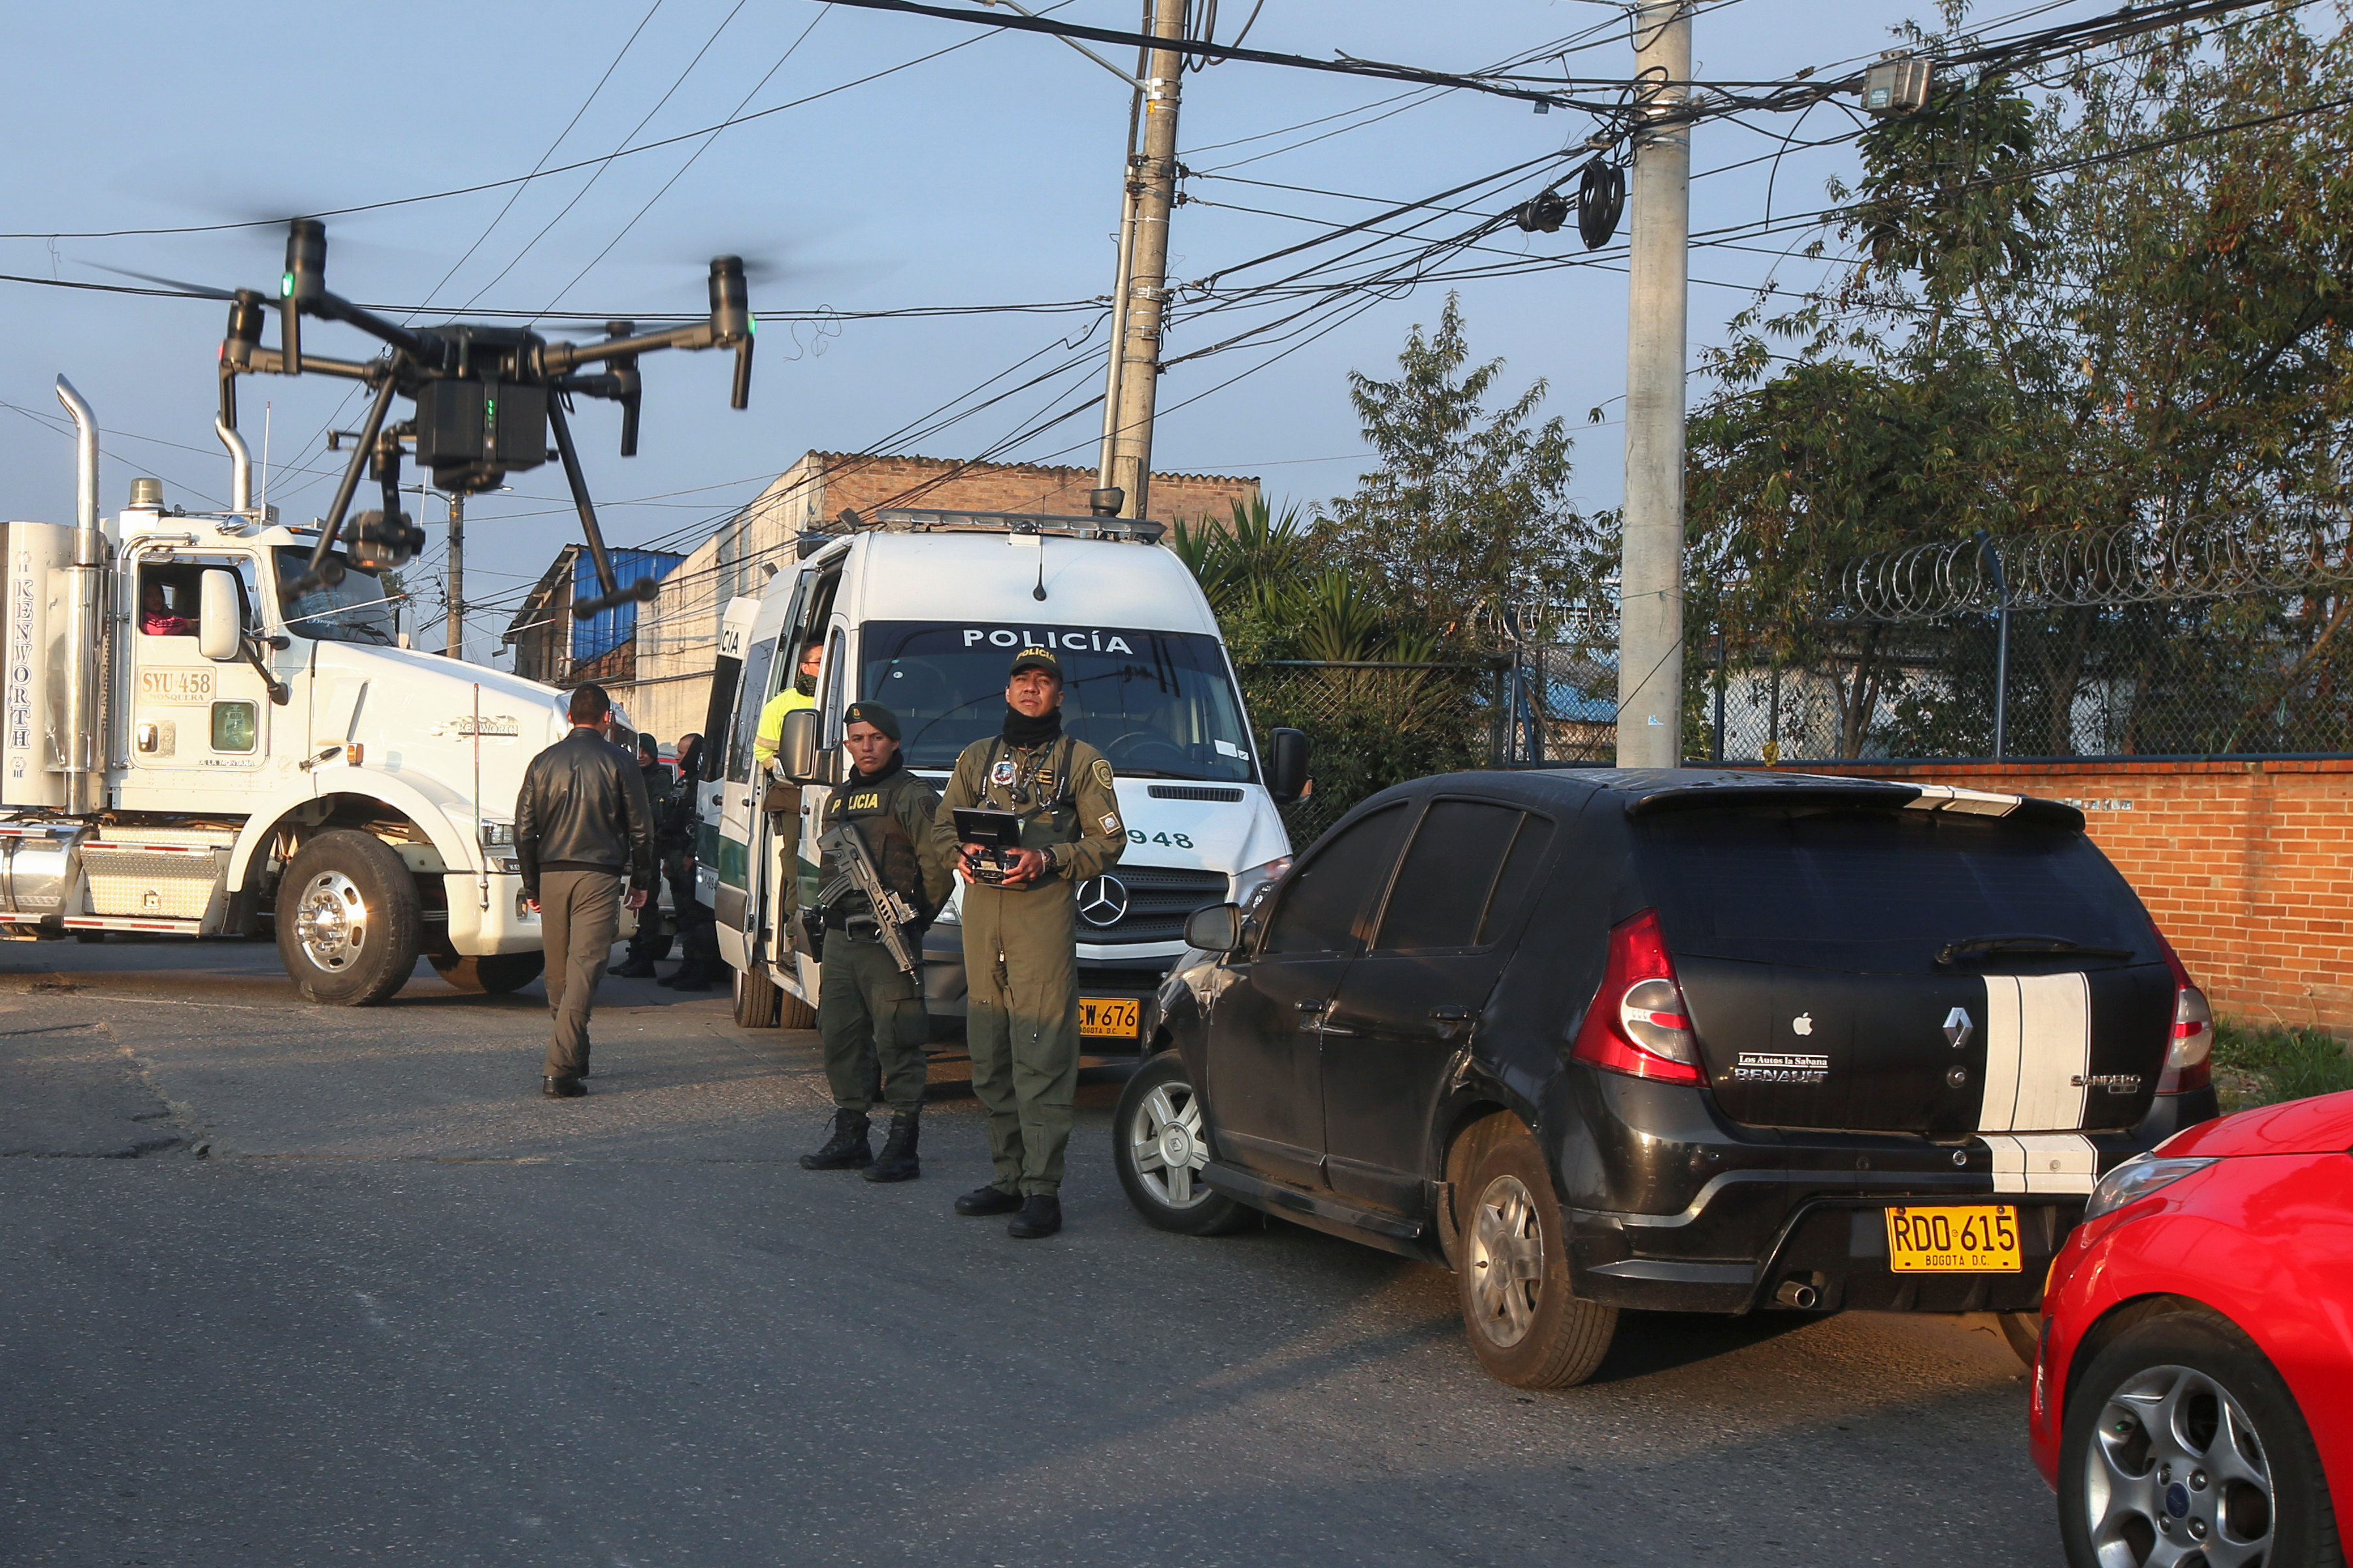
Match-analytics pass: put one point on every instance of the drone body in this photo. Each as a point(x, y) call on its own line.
point(486, 399)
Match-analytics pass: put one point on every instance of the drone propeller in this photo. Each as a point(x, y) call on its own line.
point(201, 290)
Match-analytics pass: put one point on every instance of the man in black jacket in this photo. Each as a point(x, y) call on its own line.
point(582, 823)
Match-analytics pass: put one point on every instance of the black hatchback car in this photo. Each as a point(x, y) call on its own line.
point(1699, 1041)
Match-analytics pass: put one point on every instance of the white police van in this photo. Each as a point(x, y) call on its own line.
point(923, 612)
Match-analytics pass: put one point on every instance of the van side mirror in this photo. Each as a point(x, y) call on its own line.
point(796, 746)
point(1286, 765)
point(221, 623)
point(1218, 929)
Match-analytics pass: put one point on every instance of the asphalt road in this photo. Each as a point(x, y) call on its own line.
point(282, 1284)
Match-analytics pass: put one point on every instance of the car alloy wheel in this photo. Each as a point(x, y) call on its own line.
point(2178, 1472)
point(1504, 1254)
point(1169, 1148)
point(331, 922)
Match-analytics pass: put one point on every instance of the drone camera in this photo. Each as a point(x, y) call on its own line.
point(378, 541)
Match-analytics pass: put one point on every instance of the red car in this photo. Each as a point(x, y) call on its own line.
point(2193, 1394)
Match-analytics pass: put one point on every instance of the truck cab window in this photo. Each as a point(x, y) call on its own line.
point(167, 601)
point(355, 610)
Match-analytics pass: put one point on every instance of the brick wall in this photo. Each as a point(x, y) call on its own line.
point(2247, 865)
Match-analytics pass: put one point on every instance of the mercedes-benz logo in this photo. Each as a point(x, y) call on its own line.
point(1102, 902)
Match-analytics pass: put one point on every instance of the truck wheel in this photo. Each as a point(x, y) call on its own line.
point(1525, 1326)
point(1159, 1144)
point(491, 973)
point(792, 1013)
point(757, 999)
point(349, 925)
point(2024, 1333)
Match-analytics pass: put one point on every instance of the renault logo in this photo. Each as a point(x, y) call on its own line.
point(1957, 1028)
point(1102, 902)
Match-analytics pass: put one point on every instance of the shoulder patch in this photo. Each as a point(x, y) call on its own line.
point(1103, 772)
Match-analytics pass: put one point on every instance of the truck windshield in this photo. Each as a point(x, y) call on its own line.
point(353, 610)
point(1156, 704)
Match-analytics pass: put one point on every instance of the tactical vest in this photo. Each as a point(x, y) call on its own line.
point(1037, 790)
point(872, 808)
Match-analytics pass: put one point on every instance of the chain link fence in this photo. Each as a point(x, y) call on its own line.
point(2249, 677)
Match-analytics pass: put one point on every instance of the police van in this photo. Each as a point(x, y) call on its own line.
point(923, 611)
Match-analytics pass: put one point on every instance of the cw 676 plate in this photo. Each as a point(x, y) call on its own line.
point(1111, 1017)
point(1954, 1240)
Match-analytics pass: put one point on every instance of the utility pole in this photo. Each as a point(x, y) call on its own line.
point(457, 576)
point(1136, 308)
point(1650, 571)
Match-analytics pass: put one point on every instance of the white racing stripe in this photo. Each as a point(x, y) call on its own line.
point(2038, 1050)
point(2043, 1162)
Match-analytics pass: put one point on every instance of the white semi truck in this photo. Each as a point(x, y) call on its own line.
point(187, 753)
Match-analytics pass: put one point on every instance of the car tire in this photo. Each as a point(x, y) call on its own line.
point(792, 1013)
point(2181, 1433)
point(1525, 1324)
point(2024, 1333)
point(489, 974)
point(349, 920)
point(757, 999)
point(1159, 1144)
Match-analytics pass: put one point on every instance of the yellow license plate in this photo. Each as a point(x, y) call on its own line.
point(1954, 1240)
point(1109, 1016)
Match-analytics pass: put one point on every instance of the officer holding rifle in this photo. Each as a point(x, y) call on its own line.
point(886, 869)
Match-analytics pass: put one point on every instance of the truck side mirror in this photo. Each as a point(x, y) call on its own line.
point(796, 747)
point(220, 623)
point(1286, 765)
point(1218, 929)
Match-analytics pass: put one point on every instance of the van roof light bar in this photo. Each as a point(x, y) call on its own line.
point(921, 519)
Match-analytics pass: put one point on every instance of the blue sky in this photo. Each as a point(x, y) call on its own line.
point(988, 175)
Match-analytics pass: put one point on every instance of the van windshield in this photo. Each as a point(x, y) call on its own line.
point(353, 610)
point(1156, 704)
point(1880, 892)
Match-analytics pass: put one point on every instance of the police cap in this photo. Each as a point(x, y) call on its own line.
point(873, 714)
point(1036, 659)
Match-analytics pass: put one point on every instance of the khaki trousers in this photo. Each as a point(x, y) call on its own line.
point(1021, 1025)
point(579, 915)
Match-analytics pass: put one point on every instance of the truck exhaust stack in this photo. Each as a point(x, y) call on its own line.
point(85, 714)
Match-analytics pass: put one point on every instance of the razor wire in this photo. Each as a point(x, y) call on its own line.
point(2131, 564)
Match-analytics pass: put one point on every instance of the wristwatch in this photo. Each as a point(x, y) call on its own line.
point(1053, 866)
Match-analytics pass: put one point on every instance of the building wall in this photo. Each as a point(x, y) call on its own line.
point(2246, 866)
point(677, 634)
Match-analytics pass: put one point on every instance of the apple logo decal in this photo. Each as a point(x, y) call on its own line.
point(1803, 1023)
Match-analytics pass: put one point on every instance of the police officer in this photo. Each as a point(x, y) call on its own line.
point(662, 794)
point(1020, 941)
point(870, 1010)
point(698, 939)
point(798, 692)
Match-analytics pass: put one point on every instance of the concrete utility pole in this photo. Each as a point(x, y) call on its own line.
point(1136, 311)
point(1651, 573)
point(457, 576)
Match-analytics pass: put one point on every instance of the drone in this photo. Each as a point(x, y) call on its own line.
point(486, 399)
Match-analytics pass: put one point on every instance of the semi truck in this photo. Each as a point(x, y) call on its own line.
point(188, 752)
point(923, 610)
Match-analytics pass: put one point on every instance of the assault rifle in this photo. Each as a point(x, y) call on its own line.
point(892, 914)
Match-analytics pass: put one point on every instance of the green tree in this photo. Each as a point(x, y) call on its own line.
point(1467, 517)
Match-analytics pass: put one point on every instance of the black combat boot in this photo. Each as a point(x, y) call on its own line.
point(692, 975)
point(638, 967)
point(1041, 1215)
point(846, 1150)
point(988, 1201)
point(898, 1161)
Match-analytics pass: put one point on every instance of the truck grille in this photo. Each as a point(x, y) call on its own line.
point(1143, 903)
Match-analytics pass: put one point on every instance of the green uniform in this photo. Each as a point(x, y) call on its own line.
point(870, 1012)
point(662, 794)
point(1020, 945)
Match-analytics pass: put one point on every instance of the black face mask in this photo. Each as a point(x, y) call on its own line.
point(805, 684)
point(1020, 730)
point(890, 765)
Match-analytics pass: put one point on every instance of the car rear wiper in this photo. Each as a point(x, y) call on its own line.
point(1980, 946)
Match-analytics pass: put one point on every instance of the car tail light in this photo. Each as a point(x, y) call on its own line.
point(2189, 1049)
point(1637, 1022)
